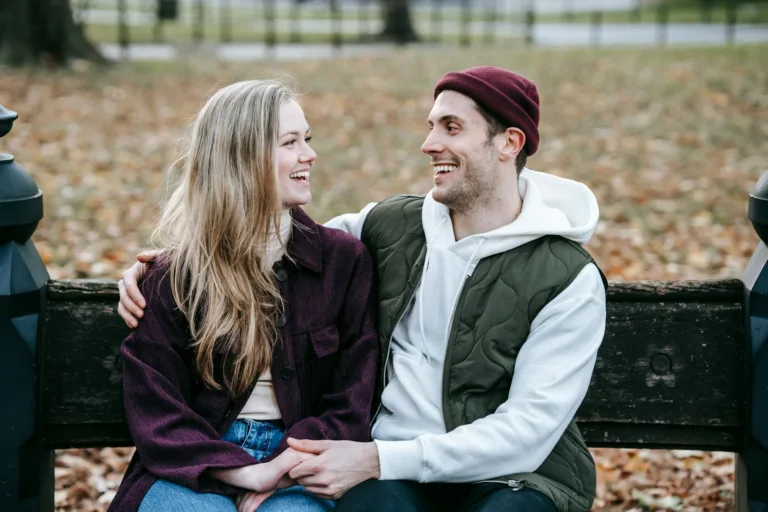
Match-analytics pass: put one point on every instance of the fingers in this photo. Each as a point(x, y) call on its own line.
point(308, 445)
point(286, 482)
point(323, 492)
point(130, 296)
point(149, 256)
point(252, 500)
point(304, 470)
point(126, 314)
point(132, 276)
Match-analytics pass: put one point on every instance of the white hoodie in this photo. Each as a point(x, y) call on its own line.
point(553, 368)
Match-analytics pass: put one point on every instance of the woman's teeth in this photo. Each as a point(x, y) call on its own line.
point(301, 176)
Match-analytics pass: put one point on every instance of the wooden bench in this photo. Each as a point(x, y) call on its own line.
point(670, 373)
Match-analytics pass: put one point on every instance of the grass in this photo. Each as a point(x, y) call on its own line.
point(747, 13)
point(670, 140)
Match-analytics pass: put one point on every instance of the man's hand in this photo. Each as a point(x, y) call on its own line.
point(339, 466)
point(132, 303)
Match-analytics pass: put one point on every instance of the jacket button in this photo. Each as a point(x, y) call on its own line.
point(281, 274)
point(288, 372)
point(281, 321)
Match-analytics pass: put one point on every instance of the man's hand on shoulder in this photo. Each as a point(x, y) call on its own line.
point(132, 302)
point(339, 466)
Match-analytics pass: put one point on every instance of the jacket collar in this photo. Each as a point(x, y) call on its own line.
point(305, 246)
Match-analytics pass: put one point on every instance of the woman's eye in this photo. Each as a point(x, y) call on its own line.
point(308, 139)
point(289, 142)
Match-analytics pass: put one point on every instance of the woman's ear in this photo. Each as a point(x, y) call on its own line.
point(514, 142)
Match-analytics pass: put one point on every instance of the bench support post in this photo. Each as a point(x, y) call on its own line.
point(26, 468)
point(752, 463)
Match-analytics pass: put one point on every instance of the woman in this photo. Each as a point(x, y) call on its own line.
point(258, 323)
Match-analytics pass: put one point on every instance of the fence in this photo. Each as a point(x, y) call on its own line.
point(464, 22)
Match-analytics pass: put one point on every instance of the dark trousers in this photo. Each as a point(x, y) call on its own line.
point(407, 496)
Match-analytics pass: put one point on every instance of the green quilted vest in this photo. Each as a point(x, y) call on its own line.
point(496, 307)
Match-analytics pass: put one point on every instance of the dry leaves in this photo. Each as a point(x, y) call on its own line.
point(670, 141)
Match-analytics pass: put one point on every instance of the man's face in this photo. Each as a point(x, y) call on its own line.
point(464, 160)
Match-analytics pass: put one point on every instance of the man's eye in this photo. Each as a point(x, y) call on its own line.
point(452, 128)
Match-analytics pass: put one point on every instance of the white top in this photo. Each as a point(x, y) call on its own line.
point(553, 368)
point(262, 404)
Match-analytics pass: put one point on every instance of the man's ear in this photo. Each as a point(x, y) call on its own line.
point(514, 142)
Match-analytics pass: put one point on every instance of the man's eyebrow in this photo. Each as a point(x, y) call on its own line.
point(448, 118)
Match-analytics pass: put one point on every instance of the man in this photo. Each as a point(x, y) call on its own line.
point(490, 318)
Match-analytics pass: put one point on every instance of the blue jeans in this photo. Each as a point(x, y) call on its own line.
point(259, 438)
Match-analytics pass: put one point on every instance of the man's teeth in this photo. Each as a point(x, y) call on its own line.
point(298, 175)
point(444, 168)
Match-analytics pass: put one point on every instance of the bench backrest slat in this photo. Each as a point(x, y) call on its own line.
point(670, 372)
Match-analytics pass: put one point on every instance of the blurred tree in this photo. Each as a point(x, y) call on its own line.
point(35, 32)
point(398, 25)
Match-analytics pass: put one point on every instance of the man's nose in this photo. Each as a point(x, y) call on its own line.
point(432, 145)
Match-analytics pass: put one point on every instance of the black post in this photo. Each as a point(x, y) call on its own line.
point(26, 468)
point(706, 10)
point(465, 22)
point(597, 26)
point(269, 29)
point(530, 21)
point(752, 466)
point(122, 29)
point(336, 23)
point(731, 8)
point(663, 22)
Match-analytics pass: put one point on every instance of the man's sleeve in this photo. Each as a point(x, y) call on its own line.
point(552, 375)
point(352, 223)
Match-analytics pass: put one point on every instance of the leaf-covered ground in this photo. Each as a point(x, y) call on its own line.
point(670, 141)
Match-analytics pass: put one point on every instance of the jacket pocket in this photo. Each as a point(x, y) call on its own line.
point(324, 341)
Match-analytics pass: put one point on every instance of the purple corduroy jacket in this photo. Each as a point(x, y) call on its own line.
point(324, 368)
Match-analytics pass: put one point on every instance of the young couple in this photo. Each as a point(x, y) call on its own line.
point(428, 353)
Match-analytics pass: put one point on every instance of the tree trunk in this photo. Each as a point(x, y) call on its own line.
point(35, 32)
point(398, 26)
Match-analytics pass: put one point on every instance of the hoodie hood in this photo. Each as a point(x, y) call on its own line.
point(551, 206)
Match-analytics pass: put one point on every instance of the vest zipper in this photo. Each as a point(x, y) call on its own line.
point(515, 485)
point(449, 351)
point(389, 351)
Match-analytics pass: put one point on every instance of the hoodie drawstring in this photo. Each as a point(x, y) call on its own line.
point(421, 293)
point(455, 297)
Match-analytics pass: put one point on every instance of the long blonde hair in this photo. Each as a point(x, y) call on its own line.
point(217, 224)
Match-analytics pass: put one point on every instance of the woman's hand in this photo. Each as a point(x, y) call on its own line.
point(267, 476)
point(273, 475)
point(250, 501)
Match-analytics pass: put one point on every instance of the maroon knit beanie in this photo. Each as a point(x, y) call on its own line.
point(507, 96)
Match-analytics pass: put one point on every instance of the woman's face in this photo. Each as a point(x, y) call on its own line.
point(294, 156)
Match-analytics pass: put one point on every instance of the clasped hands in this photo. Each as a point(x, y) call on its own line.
point(325, 468)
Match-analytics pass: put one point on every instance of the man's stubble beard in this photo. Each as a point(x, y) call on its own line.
point(474, 188)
